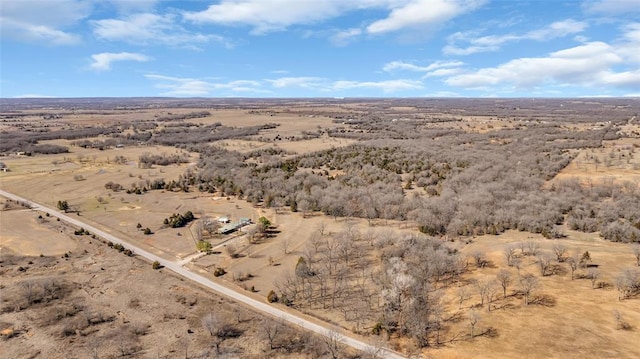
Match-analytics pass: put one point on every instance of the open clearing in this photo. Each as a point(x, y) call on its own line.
point(617, 161)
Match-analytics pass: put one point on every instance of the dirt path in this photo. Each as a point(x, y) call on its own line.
point(177, 268)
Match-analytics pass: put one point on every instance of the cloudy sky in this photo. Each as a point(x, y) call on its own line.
point(319, 48)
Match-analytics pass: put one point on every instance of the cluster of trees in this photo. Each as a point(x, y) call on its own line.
point(120, 248)
point(63, 205)
point(203, 246)
point(403, 297)
point(142, 186)
point(115, 187)
point(146, 160)
point(33, 291)
point(27, 141)
point(182, 136)
point(99, 144)
point(333, 274)
point(179, 220)
point(628, 283)
point(183, 116)
point(278, 336)
point(610, 208)
point(415, 269)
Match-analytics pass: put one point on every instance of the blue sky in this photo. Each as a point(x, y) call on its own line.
point(315, 48)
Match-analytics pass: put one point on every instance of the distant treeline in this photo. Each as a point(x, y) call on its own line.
point(28, 141)
point(183, 116)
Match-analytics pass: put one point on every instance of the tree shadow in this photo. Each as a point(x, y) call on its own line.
point(544, 300)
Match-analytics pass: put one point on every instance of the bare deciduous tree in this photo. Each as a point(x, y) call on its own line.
point(197, 229)
point(333, 342)
point(517, 264)
point(272, 329)
point(463, 294)
point(30, 290)
point(504, 279)
point(474, 318)
point(127, 343)
point(528, 283)
point(231, 250)
point(483, 287)
point(559, 249)
point(544, 261)
point(375, 349)
point(628, 283)
point(509, 255)
point(532, 248)
point(219, 328)
point(93, 346)
point(573, 261)
point(479, 259)
point(321, 228)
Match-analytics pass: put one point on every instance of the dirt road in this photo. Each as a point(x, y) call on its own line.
point(177, 268)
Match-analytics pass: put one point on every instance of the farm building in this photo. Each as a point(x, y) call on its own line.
point(234, 226)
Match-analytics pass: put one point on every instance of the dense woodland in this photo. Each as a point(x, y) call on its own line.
point(451, 182)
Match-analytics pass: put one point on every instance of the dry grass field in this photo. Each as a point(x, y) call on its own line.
point(616, 162)
point(566, 318)
point(104, 304)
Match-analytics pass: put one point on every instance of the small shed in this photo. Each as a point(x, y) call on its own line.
point(224, 220)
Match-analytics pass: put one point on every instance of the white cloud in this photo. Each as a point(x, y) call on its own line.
point(146, 28)
point(37, 33)
point(626, 79)
point(386, 86)
point(632, 32)
point(422, 13)
point(102, 62)
point(267, 16)
point(590, 64)
point(343, 38)
point(442, 94)
point(304, 82)
point(177, 86)
point(326, 85)
point(42, 21)
point(46, 12)
point(630, 43)
point(184, 86)
point(557, 29)
point(400, 65)
point(444, 72)
point(436, 69)
point(33, 95)
point(612, 7)
point(580, 38)
point(494, 42)
point(277, 15)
